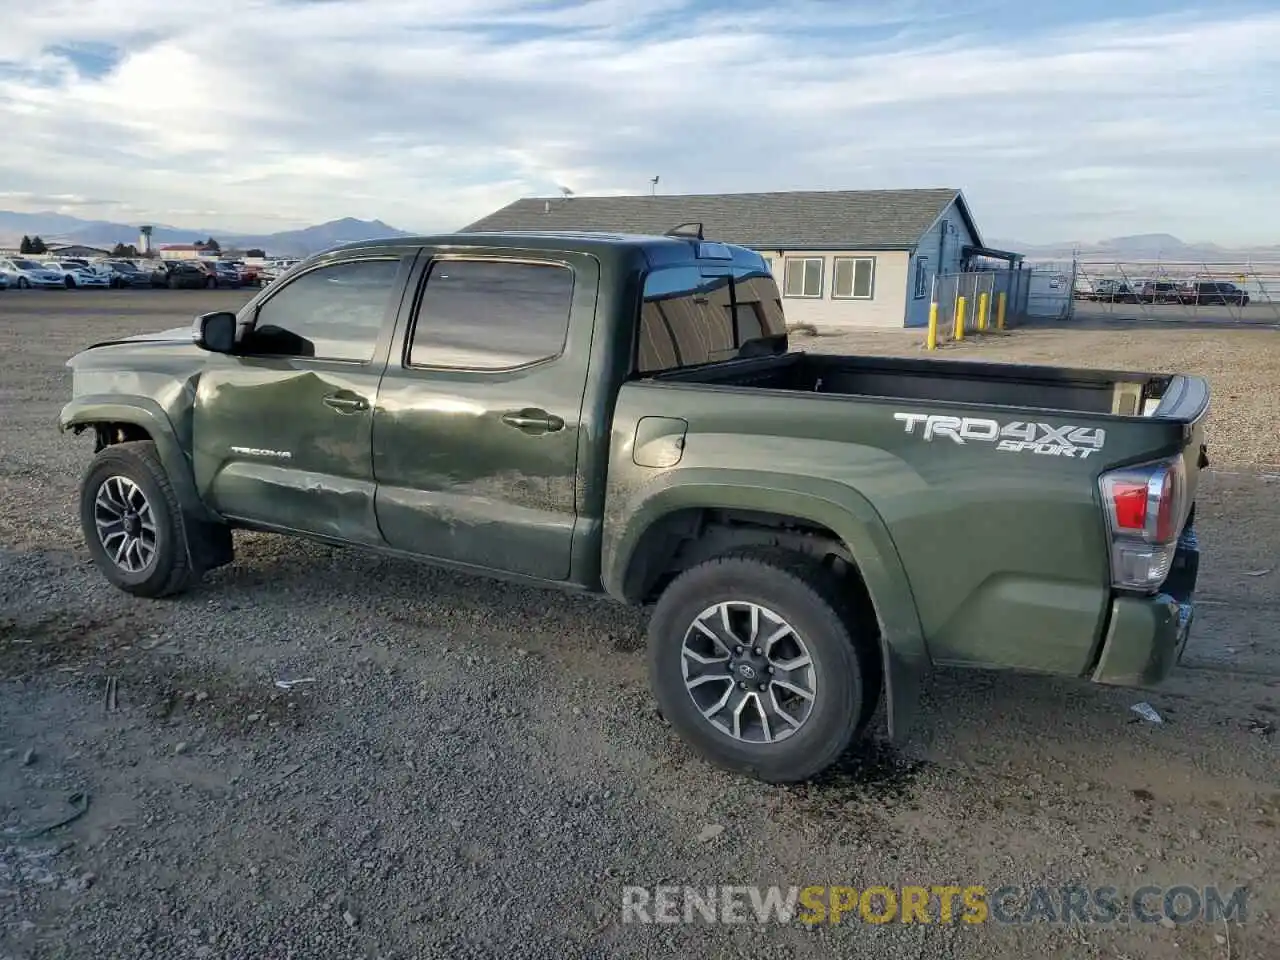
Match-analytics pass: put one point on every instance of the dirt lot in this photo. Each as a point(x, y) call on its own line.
point(477, 769)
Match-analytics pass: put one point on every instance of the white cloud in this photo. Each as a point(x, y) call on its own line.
point(282, 112)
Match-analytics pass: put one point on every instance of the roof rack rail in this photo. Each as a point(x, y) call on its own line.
point(679, 230)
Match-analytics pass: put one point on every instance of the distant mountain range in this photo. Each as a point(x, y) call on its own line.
point(1143, 246)
point(61, 228)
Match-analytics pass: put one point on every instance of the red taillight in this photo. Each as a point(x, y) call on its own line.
point(1144, 507)
point(1129, 505)
point(1129, 494)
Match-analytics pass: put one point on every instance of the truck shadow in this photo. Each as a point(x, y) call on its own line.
point(998, 722)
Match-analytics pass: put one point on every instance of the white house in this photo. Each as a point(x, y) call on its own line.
point(842, 258)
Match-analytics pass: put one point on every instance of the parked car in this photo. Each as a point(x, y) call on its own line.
point(122, 273)
point(1113, 291)
point(25, 273)
point(275, 269)
point(185, 275)
point(622, 415)
point(78, 274)
point(1160, 291)
point(250, 276)
point(217, 274)
point(226, 274)
point(1214, 292)
point(4, 280)
point(155, 270)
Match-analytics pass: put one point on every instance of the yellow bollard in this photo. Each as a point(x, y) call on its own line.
point(932, 342)
point(958, 333)
point(1000, 311)
point(982, 311)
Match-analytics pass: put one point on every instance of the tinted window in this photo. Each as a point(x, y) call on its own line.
point(331, 313)
point(492, 314)
point(688, 318)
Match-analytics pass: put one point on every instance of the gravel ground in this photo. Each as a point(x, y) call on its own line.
point(477, 769)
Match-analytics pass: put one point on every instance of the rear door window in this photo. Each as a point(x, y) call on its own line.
point(691, 315)
point(492, 314)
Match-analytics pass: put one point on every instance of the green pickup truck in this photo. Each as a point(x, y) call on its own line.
point(623, 414)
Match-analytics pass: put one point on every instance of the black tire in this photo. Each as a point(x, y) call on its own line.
point(809, 597)
point(70, 282)
point(173, 283)
point(24, 283)
point(211, 283)
point(170, 569)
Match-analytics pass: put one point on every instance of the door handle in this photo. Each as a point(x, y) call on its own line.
point(533, 421)
point(349, 403)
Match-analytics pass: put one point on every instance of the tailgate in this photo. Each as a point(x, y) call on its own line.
point(1185, 402)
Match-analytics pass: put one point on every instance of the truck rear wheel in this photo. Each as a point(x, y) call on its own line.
point(133, 524)
point(756, 659)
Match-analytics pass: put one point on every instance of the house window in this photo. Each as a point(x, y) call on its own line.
point(802, 277)
point(768, 263)
point(922, 278)
point(854, 278)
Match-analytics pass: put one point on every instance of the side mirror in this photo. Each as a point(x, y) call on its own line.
point(215, 332)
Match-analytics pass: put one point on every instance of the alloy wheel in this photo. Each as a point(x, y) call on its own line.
point(749, 672)
point(126, 524)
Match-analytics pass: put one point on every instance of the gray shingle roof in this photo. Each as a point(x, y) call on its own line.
point(833, 219)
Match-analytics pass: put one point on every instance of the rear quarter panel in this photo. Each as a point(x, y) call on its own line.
point(1001, 555)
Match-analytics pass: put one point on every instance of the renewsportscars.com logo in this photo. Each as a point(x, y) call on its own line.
point(1007, 904)
point(1018, 436)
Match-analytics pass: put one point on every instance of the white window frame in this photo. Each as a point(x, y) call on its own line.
point(802, 263)
point(853, 279)
point(921, 279)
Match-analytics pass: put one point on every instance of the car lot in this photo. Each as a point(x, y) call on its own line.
point(477, 768)
point(34, 272)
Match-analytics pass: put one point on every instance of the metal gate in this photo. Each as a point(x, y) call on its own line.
point(979, 300)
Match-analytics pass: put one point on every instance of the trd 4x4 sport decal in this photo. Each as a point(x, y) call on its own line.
point(1017, 436)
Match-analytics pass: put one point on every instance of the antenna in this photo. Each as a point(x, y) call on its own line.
point(653, 186)
point(683, 230)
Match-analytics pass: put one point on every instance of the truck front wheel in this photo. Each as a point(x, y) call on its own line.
point(756, 659)
point(132, 521)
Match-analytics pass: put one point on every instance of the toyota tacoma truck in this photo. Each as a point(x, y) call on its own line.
point(624, 415)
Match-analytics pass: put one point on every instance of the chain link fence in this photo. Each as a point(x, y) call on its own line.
point(1176, 290)
point(981, 300)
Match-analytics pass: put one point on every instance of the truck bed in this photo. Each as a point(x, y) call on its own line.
point(1099, 392)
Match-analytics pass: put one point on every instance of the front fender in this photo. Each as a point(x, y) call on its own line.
point(835, 506)
point(146, 414)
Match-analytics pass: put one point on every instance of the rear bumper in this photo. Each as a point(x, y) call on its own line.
point(1147, 635)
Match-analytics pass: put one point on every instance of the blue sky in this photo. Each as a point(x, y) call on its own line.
point(1060, 121)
